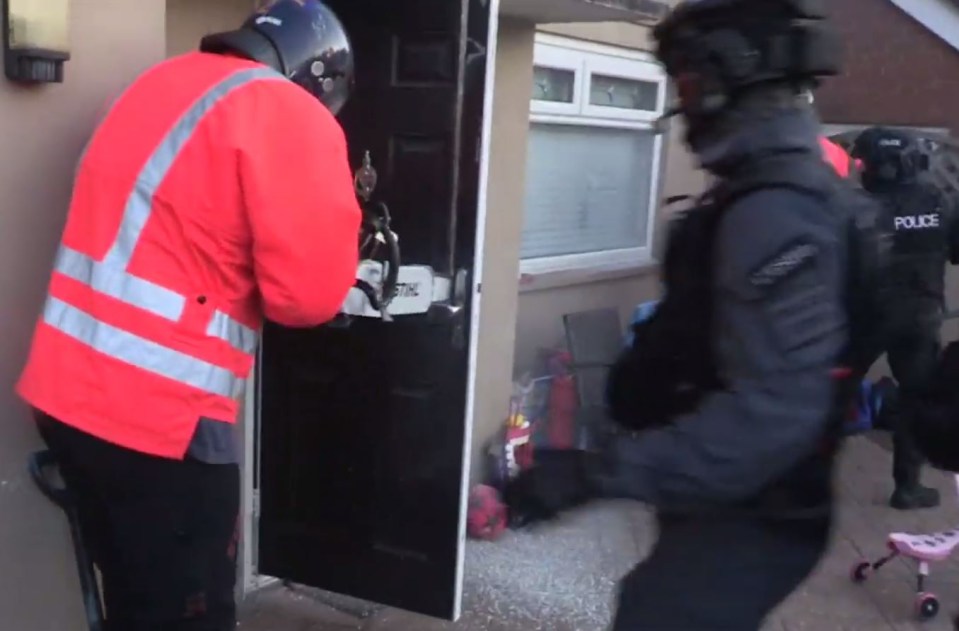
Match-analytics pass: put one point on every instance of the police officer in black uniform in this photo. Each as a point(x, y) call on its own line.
point(924, 241)
point(728, 405)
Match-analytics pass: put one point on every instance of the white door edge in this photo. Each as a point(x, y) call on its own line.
point(481, 210)
point(250, 581)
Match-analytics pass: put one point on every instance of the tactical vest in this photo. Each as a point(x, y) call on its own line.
point(920, 249)
point(671, 366)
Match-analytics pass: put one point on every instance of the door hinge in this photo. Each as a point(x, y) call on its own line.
point(256, 504)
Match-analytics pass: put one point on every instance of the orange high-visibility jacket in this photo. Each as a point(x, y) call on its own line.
point(214, 192)
point(836, 156)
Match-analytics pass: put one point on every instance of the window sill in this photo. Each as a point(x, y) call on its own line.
point(583, 275)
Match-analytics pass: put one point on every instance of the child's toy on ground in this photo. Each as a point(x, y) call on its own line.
point(924, 549)
point(527, 425)
point(487, 514)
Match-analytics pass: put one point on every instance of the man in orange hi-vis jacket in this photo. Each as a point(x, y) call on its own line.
point(215, 192)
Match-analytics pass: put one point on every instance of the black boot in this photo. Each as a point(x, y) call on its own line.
point(914, 496)
point(907, 463)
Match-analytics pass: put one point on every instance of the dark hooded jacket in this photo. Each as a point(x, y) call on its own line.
point(760, 438)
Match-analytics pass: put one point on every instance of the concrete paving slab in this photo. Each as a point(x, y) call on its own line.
point(562, 577)
point(277, 608)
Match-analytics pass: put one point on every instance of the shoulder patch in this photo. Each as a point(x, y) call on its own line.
point(786, 262)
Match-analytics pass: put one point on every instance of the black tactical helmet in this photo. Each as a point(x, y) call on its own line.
point(303, 39)
point(888, 156)
point(716, 50)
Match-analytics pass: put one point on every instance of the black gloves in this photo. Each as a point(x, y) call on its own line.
point(649, 386)
point(558, 481)
point(670, 367)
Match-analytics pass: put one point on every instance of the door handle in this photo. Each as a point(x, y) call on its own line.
point(453, 312)
point(458, 302)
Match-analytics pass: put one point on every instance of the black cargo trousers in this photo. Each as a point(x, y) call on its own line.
point(913, 354)
point(726, 574)
point(162, 533)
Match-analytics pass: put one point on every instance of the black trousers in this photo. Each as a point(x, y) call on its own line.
point(163, 533)
point(708, 574)
point(913, 357)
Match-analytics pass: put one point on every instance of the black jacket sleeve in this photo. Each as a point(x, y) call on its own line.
point(780, 328)
point(951, 212)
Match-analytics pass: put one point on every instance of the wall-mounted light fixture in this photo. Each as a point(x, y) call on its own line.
point(36, 40)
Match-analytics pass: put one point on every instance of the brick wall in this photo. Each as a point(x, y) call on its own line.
point(896, 71)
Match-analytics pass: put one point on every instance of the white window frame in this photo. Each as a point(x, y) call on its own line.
point(585, 59)
point(831, 129)
point(556, 58)
point(629, 69)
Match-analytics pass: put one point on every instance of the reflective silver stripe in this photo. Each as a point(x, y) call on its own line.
point(116, 283)
point(140, 352)
point(239, 336)
point(148, 296)
point(110, 276)
point(140, 203)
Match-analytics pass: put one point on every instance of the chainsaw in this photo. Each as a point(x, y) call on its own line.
point(385, 287)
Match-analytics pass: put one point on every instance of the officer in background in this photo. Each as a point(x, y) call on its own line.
point(730, 402)
point(925, 239)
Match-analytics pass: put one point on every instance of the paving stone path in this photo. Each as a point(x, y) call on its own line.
point(561, 578)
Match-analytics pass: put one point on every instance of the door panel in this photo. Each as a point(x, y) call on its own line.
point(362, 429)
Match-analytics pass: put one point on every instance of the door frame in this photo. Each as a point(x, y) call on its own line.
point(249, 578)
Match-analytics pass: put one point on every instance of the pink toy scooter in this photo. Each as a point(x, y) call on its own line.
point(924, 549)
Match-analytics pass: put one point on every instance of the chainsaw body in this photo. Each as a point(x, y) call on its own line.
point(385, 287)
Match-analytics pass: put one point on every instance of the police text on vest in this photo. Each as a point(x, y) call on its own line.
point(917, 222)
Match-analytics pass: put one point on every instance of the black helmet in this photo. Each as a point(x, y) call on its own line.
point(303, 39)
point(718, 49)
point(888, 156)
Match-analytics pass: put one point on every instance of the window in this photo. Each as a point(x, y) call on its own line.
point(593, 159)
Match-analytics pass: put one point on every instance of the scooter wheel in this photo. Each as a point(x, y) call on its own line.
point(927, 606)
point(861, 571)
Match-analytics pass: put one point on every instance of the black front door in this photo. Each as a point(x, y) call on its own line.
point(362, 430)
